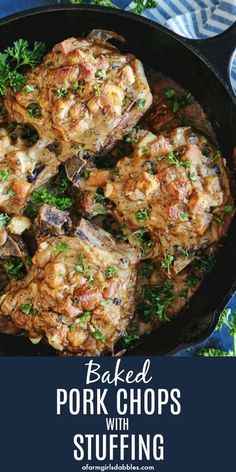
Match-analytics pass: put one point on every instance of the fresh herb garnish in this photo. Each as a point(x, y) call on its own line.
point(85, 174)
point(228, 208)
point(192, 282)
point(60, 247)
point(99, 198)
point(141, 104)
point(106, 303)
point(173, 160)
point(167, 262)
point(28, 89)
point(214, 352)
point(230, 324)
point(178, 101)
point(97, 90)
point(64, 185)
point(28, 261)
point(84, 316)
point(205, 263)
point(155, 301)
point(90, 280)
point(13, 59)
point(216, 155)
point(111, 271)
point(80, 267)
point(4, 174)
point(15, 267)
point(170, 92)
point(146, 268)
point(4, 218)
point(34, 110)
point(218, 219)
point(129, 338)
point(28, 309)
point(192, 175)
point(61, 92)
point(11, 192)
point(141, 215)
point(184, 216)
point(99, 335)
point(101, 74)
point(42, 195)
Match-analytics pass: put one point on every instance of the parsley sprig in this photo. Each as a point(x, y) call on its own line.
point(14, 59)
point(140, 5)
point(225, 320)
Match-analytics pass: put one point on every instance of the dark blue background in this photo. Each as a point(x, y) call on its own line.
point(34, 438)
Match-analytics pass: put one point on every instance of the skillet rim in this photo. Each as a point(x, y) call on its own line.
point(186, 42)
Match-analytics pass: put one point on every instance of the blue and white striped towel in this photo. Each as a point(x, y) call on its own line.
point(195, 19)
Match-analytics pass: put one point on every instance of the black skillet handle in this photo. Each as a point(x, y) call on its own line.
point(217, 52)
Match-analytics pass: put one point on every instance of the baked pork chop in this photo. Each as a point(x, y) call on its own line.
point(79, 293)
point(85, 91)
point(174, 187)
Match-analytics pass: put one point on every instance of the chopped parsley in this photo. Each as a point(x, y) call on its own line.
point(106, 303)
point(141, 215)
point(184, 216)
point(205, 263)
point(192, 282)
point(178, 101)
point(84, 316)
point(228, 208)
point(15, 267)
point(192, 175)
point(61, 92)
point(64, 185)
point(28, 261)
point(11, 192)
point(218, 219)
point(214, 352)
point(28, 89)
point(28, 309)
point(97, 90)
point(42, 195)
point(90, 280)
point(154, 302)
point(167, 262)
point(141, 5)
point(34, 110)
point(60, 247)
point(170, 92)
point(85, 174)
point(111, 271)
point(101, 74)
point(80, 267)
point(99, 335)
point(129, 338)
point(4, 174)
point(99, 198)
point(146, 268)
point(4, 218)
point(141, 104)
point(216, 155)
point(174, 161)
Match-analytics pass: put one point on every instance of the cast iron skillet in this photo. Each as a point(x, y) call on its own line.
point(202, 68)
